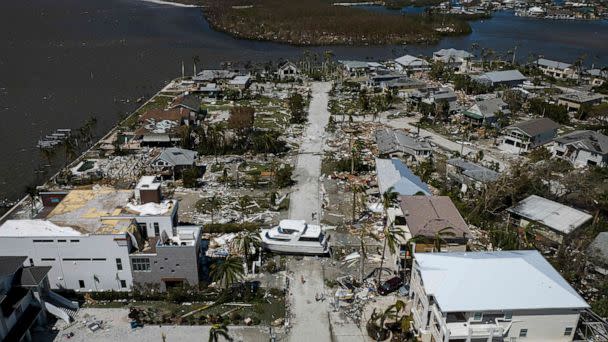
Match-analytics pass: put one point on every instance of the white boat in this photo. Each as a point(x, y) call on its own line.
point(295, 237)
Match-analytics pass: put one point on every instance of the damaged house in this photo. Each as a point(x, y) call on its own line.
point(172, 161)
point(88, 239)
point(552, 221)
point(160, 127)
point(469, 175)
point(582, 148)
point(396, 143)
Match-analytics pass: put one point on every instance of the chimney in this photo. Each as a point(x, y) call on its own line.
point(148, 190)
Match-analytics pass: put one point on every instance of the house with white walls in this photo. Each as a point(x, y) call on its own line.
point(492, 296)
point(88, 237)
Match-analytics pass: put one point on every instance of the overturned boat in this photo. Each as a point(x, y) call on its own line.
point(295, 237)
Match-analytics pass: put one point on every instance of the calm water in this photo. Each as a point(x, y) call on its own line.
point(64, 61)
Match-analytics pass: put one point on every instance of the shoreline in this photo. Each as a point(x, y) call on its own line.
point(4, 216)
point(171, 3)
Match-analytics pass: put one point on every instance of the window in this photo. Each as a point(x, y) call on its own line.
point(119, 264)
point(523, 332)
point(508, 315)
point(568, 331)
point(76, 259)
point(81, 284)
point(141, 264)
point(61, 240)
point(99, 259)
point(40, 241)
point(74, 240)
point(123, 284)
point(156, 229)
point(47, 259)
point(477, 316)
point(31, 262)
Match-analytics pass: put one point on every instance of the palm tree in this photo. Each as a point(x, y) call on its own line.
point(363, 233)
point(243, 202)
point(357, 190)
point(375, 324)
point(214, 204)
point(217, 330)
point(392, 236)
point(243, 243)
point(227, 272)
point(440, 236)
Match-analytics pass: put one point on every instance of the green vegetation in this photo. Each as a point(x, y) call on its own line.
point(318, 22)
point(554, 112)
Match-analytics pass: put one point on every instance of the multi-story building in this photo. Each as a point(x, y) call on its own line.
point(25, 299)
point(88, 237)
point(492, 296)
point(556, 69)
point(527, 135)
point(582, 148)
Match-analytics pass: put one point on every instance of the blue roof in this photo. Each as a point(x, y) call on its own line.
point(393, 173)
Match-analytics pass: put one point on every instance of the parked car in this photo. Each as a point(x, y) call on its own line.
point(390, 286)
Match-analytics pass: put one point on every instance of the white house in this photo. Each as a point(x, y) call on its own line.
point(527, 135)
point(582, 148)
point(456, 59)
point(288, 71)
point(492, 296)
point(411, 63)
point(556, 69)
point(88, 236)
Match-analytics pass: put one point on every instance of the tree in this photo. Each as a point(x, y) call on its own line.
point(243, 202)
point(283, 176)
point(245, 241)
point(440, 236)
point(295, 103)
point(241, 119)
point(391, 236)
point(227, 271)
point(217, 330)
point(214, 204)
point(189, 177)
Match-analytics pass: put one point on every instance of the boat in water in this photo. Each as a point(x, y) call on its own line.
point(295, 237)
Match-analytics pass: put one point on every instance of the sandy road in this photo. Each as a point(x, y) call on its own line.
point(310, 318)
point(304, 200)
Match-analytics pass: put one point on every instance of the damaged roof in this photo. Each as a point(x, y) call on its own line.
point(389, 140)
point(551, 214)
point(427, 215)
point(586, 140)
point(474, 171)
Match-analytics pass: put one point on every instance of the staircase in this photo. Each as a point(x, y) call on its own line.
point(60, 307)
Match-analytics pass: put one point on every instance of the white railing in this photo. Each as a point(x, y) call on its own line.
point(57, 312)
point(60, 300)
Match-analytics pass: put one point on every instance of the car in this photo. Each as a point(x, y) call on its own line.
point(390, 286)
